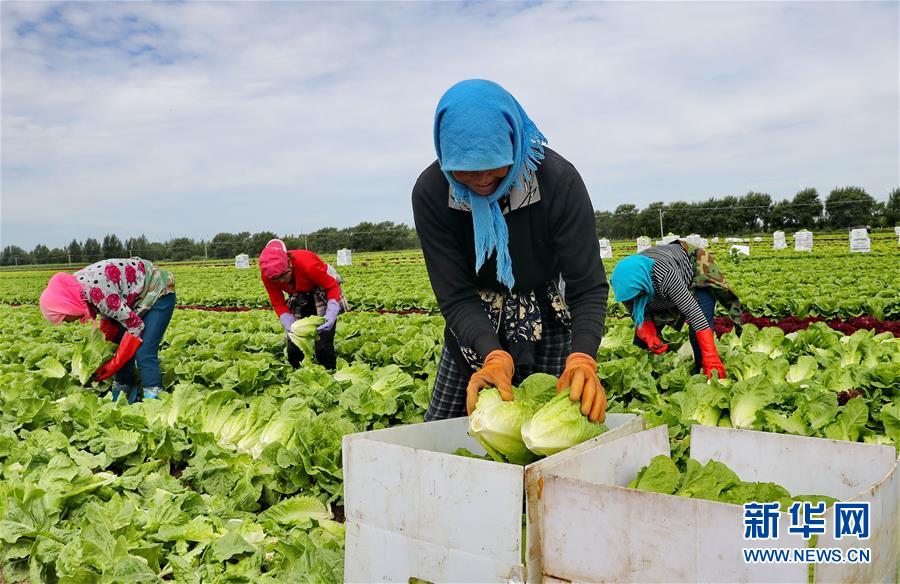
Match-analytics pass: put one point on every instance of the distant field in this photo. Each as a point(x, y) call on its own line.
point(829, 281)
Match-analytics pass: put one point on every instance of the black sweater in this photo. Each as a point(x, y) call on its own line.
point(556, 235)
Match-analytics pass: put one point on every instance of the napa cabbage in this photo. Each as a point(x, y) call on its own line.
point(497, 424)
point(712, 481)
point(558, 425)
point(304, 335)
point(748, 400)
point(90, 354)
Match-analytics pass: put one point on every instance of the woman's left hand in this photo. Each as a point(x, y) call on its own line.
point(331, 313)
point(580, 376)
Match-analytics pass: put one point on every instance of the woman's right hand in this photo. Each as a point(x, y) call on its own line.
point(497, 371)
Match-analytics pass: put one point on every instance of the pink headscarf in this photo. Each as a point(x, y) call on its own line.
point(273, 261)
point(63, 297)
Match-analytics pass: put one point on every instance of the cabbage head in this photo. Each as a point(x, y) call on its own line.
point(558, 425)
point(90, 354)
point(497, 426)
point(304, 335)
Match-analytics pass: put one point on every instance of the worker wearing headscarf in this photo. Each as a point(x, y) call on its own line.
point(502, 220)
point(312, 287)
point(134, 301)
point(671, 284)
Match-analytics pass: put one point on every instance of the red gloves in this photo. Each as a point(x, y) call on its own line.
point(647, 333)
point(497, 371)
point(580, 376)
point(710, 356)
point(109, 328)
point(127, 348)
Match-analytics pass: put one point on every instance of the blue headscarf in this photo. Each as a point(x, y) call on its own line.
point(478, 125)
point(631, 280)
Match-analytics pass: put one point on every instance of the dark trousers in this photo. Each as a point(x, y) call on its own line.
point(324, 346)
point(707, 304)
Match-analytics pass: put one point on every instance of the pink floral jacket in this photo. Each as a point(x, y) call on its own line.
point(121, 289)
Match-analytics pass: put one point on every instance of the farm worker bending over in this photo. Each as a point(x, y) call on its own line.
point(668, 284)
point(135, 301)
point(312, 287)
point(500, 219)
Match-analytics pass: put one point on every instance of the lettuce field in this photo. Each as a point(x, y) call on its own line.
point(830, 282)
point(235, 474)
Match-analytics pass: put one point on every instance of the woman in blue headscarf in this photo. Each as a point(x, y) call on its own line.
point(502, 220)
point(668, 284)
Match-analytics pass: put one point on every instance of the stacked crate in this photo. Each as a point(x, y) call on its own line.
point(344, 257)
point(859, 241)
point(803, 241)
point(606, 249)
point(778, 241)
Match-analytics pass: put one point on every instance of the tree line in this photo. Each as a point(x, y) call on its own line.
point(731, 215)
point(366, 236)
point(754, 212)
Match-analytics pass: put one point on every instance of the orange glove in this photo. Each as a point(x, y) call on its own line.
point(580, 376)
point(497, 371)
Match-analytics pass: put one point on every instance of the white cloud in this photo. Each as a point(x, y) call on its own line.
point(195, 118)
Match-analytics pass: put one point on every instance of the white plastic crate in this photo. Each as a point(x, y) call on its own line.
point(344, 257)
point(859, 241)
point(803, 241)
point(778, 240)
point(605, 249)
point(694, 239)
point(414, 509)
point(667, 239)
point(595, 529)
point(242, 261)
point(645, 242)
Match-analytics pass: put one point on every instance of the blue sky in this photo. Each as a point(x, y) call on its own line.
point(190, 118)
